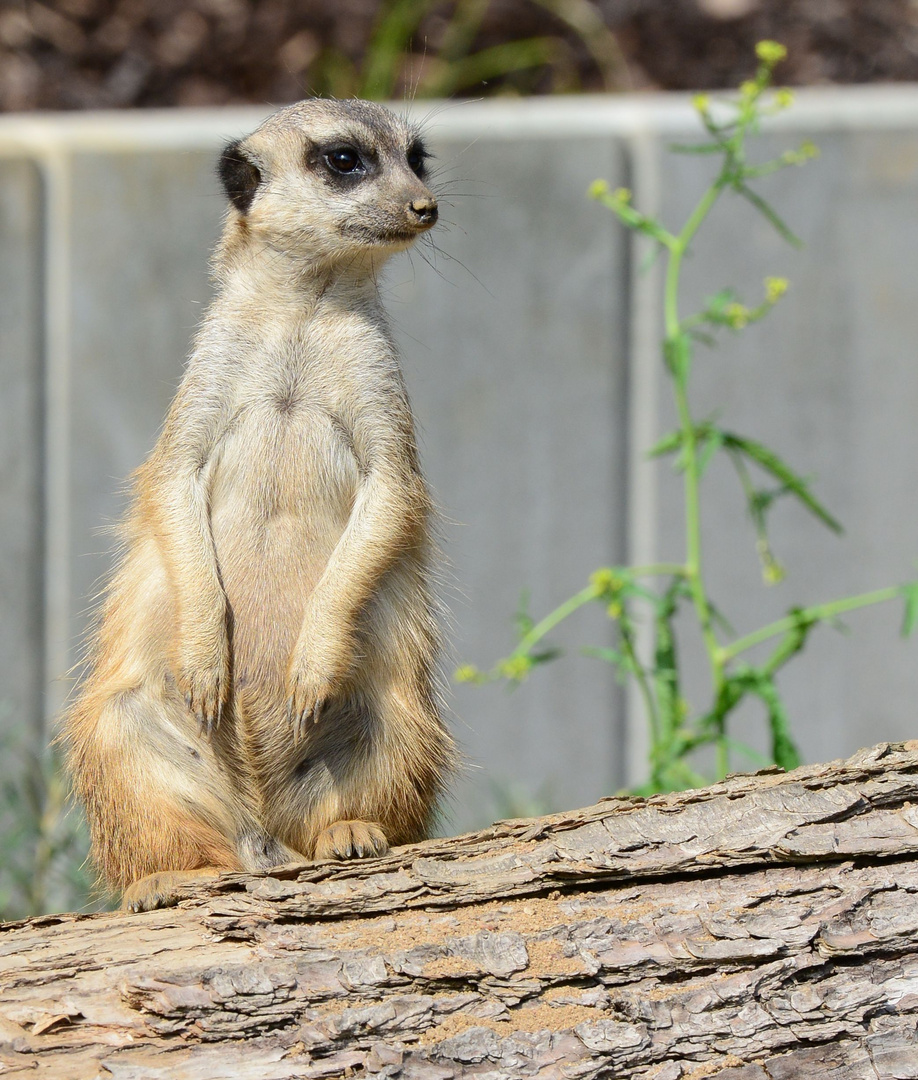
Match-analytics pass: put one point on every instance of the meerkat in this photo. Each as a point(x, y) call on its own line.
point(261, 684)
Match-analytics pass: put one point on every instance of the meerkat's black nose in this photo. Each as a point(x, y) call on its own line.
point(424, 211)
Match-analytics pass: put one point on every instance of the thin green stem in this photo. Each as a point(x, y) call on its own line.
point(546, 625)
point(817, 613)
point(585, 596)
point(677, 252)
point(640, 675)
point(675, 344)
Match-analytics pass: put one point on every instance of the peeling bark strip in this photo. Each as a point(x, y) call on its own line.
point(765, 928)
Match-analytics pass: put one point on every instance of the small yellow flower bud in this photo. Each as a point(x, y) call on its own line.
point(614, 610)
point(770, 52)
point(749, 89)
point(622, 195)
point(775, 288)
point(773, 573)
point(598, 188)
point(606, 581)
point(467, 673)
point(808, 149)
point(516, 667)
point(784, 98)
point(701, 103)
point(737, 315)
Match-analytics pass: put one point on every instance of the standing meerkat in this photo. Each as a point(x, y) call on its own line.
point(260, 688)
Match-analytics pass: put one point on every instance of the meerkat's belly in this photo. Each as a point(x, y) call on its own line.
point(282, 489)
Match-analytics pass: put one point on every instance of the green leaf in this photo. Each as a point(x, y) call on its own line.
point(719, 301)
point(696, 148)
point(462, 28)
point(667, 445)
point(677, 352)
point(768, 213)
point(783, 749)
point(492, 63)
point(396, 22)
point(760, 682)
point(666, 666)
point(711, 443)
point(522, 620)
point(781, 471)
point(910, 616)
point(611, 656)
point(793, 641)
point(719, 619)
point(759, 760)
point(624, 665)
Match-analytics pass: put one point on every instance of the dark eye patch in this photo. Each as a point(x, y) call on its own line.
point(417, 158)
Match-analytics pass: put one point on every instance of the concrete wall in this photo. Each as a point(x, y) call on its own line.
point(530, 347)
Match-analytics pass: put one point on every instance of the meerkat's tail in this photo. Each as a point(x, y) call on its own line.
point(156, 796)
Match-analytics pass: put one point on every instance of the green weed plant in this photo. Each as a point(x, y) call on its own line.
point(632, 595)
point(398, 54)
point(44, 843)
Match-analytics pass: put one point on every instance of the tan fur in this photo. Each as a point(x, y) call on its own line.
point(260, 688)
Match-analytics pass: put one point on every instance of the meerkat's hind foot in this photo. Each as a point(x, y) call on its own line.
point(351, 840)
point(164, 888)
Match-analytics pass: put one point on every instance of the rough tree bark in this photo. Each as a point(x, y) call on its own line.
point(765, 928)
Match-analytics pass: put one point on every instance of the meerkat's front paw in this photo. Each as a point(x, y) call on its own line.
point(204, 680)
point(315, 675)
point(307, 692)
point(351, 840)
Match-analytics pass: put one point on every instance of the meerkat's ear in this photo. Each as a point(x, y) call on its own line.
point(239, 175)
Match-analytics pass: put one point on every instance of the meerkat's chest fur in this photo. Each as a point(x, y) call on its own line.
point(289, 442)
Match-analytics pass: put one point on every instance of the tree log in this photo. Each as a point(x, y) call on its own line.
point(764, 928)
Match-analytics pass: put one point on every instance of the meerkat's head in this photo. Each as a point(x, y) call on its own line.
point(327, 180)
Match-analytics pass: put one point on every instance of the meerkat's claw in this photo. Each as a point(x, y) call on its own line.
point(309, 712)
point(204, 720)
point(207, 710)
point(205, 682)
point(307, 699)
point(163, 889)
point(351, 840)
point(296, 717)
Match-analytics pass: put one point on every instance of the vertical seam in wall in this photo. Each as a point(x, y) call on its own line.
point(56, 164)
point(36, 704)
point(619, 331)
point(643, 396)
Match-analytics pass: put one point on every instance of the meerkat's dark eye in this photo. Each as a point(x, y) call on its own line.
point(344, 159)
point(417, 156)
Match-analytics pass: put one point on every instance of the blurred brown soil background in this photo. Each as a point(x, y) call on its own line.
point(79, 54)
